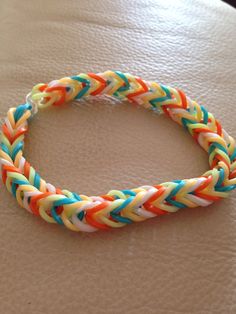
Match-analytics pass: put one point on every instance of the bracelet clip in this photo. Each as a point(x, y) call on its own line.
point(33, 103)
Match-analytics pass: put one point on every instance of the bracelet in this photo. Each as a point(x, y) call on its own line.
point(116, 208)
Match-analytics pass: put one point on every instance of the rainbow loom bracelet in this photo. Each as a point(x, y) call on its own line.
point(116, 208)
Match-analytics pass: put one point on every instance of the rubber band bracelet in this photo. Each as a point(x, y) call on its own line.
point(116, 208)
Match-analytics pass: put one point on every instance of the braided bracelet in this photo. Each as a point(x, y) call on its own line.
point(116, 208)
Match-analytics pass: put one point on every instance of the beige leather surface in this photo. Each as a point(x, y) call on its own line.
point(181, 263)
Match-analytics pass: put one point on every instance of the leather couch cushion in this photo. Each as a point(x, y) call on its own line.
point(182, 263)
